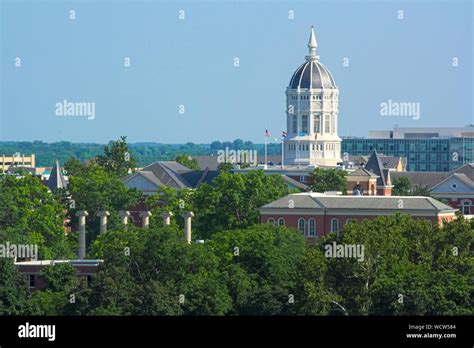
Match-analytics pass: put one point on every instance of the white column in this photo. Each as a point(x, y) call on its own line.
point(103, 220)
point(166, 215)
point(187, 225)
point(145, 215)
point(82, 214)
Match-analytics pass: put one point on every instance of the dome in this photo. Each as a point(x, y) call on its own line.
point(312, 74)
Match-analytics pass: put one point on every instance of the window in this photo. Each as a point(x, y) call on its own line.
point(335, 226)
point(327, 124)
point(316, 123)
point(301, 226)
point(304, 123)
point(295, 124)
point(32, 280)
point(348, 221)
point(271, 221)
point(312, 228)
point(303, 178)
point(281, 222)
point(466, 208)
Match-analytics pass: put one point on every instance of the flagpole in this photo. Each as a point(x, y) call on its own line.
point(282, 151)
point(265, 152)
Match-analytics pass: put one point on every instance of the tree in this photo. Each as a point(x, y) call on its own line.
point(158, 263)
point(117, 159)
point(13, 289)
point(29, 214)
point(329, 180)
point(187, 161)
point(96, 190)
point(260, 266)
point(232, 201)
point(401, 186)
point(74, 167)
point(421, 191)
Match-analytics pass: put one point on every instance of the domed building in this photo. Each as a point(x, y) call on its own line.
point(312, 114)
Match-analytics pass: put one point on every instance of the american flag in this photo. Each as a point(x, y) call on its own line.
point(283, 134)
point(267, 133)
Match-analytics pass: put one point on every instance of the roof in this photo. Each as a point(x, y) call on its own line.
point(432, 179)
point(294, 183)
point(362, 172)
point(312, 74)
point(311, 200)
point(174, 174)
point(56, 178)
point(390, 162)
point(375, 166)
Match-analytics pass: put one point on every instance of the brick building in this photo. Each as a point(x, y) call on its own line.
point(316, 214)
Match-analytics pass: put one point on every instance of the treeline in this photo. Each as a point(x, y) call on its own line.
point(144, 153)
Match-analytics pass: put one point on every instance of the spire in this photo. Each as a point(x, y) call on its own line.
point(312, 44)
point(56, 178)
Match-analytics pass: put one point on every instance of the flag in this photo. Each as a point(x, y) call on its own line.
point(267, 133)
point(283, 134)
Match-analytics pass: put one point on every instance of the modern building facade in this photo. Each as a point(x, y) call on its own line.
point(7, 161)
point(317, 214)
point(426, 149)
point(312, 114)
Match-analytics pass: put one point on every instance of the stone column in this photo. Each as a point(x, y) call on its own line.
point(187, 225)
point(124, 215)
point(166, 215)
point(103, 220)
point(82, 214)
point(145, 215)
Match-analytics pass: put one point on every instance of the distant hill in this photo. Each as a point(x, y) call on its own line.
point(144, 152)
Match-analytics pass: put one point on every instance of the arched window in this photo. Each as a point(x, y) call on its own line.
point(271, 221)
point(281, 222)
point(302, 226)
point(312, 228)
point(348, 221)
point(335, 226)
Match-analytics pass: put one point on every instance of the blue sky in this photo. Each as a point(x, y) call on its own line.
point(190, 62)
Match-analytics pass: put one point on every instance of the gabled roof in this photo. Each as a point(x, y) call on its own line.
point(433, 179)
point(56, 178)
point(173, 174)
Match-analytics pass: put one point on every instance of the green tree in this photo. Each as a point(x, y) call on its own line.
point(96, 190)
point(13, 289)
point(187, 161)
point(401, 186)
point(260, 266)
point(232, 201)
point(329, 180)
point(117, 158)
point(29, 214)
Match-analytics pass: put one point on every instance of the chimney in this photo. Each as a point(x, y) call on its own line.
point(124, 215)
point(187, 225)
point(166, 215)
point(145, 215)
point(103, 220)
point(82, 214)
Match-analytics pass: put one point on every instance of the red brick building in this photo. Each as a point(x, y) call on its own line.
point(316, 214)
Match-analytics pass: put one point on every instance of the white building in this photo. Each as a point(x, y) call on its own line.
point(312, 114)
